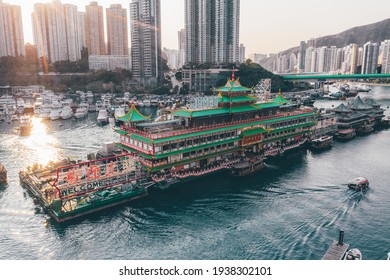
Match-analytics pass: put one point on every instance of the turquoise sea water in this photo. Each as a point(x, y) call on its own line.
point(292, 209)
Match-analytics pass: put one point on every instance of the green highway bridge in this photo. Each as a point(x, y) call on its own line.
point(330, 77)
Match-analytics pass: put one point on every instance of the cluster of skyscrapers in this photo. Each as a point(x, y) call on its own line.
point(61, 31)
point(370, 58)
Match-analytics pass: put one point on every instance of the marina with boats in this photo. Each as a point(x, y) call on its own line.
point(232, 131)
point(81, 199)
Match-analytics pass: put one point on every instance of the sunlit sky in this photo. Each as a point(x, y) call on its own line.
point(265, 26)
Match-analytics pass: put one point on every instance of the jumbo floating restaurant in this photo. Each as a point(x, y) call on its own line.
point(235, 134)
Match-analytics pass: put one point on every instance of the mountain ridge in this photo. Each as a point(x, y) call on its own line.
point(374, 32)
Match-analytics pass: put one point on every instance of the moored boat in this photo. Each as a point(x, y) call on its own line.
point(247, 167)
point(323, 142)
point(345, 134)
point(102, 118)
point(214, 136)
point(25, 125)
point(353, 255)
point(3, 174)
point(385, 122)
point(358, 183)
point(365, 129)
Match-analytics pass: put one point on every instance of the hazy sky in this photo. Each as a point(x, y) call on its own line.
point(266, 26)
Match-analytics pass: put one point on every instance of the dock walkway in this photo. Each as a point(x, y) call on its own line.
point(335, 251)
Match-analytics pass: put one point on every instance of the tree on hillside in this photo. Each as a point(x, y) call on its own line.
point(251, 73)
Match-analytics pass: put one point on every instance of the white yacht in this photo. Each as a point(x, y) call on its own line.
point(66, 113)
point(45, 112)
point(99, 105)
point(89, 95)
point(55, 114)
point(37, 108)
point(106, 102)
point(20, 105)
point(147, 102)
point(82, 110)
point(102, 118)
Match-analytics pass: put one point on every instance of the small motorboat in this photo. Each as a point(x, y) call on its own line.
point(353, 255)
point(358, 183)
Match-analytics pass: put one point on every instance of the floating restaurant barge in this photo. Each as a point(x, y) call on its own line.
point(232, 132)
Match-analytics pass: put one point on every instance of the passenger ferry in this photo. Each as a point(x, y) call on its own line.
point(230, 131)
point(322, 142)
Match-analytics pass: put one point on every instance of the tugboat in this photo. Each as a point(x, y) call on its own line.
point(322, 142)
point(3, 174)
point(358, 183)
point(247, 167)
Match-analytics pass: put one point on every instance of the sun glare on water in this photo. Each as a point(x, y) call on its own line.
point(41, 144)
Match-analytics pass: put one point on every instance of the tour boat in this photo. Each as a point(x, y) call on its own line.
point(358, 183)
point(247, 167)
point(322, 142)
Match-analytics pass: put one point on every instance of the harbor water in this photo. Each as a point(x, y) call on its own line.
point(291, 210)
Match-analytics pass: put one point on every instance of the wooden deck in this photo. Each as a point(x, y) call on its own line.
point(335, 251)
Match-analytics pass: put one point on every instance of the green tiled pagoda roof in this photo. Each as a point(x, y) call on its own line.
point(121, 132)
point(187, 113)
point(133, 116)
point(232, 86)
point(280, 100)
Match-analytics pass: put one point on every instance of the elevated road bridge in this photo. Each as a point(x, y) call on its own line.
point(330, 77)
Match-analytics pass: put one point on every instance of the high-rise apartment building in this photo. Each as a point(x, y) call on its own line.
point(370, 58)
point(81, 30)
point(55, 28)
point(242, 53)
point(354, 58)
point(94, 29)
point(145, 25)
point(11, 30)
point(117, 38)
point(302, 51)
point(386, 57)
point(182, 47)
point(212, 31)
